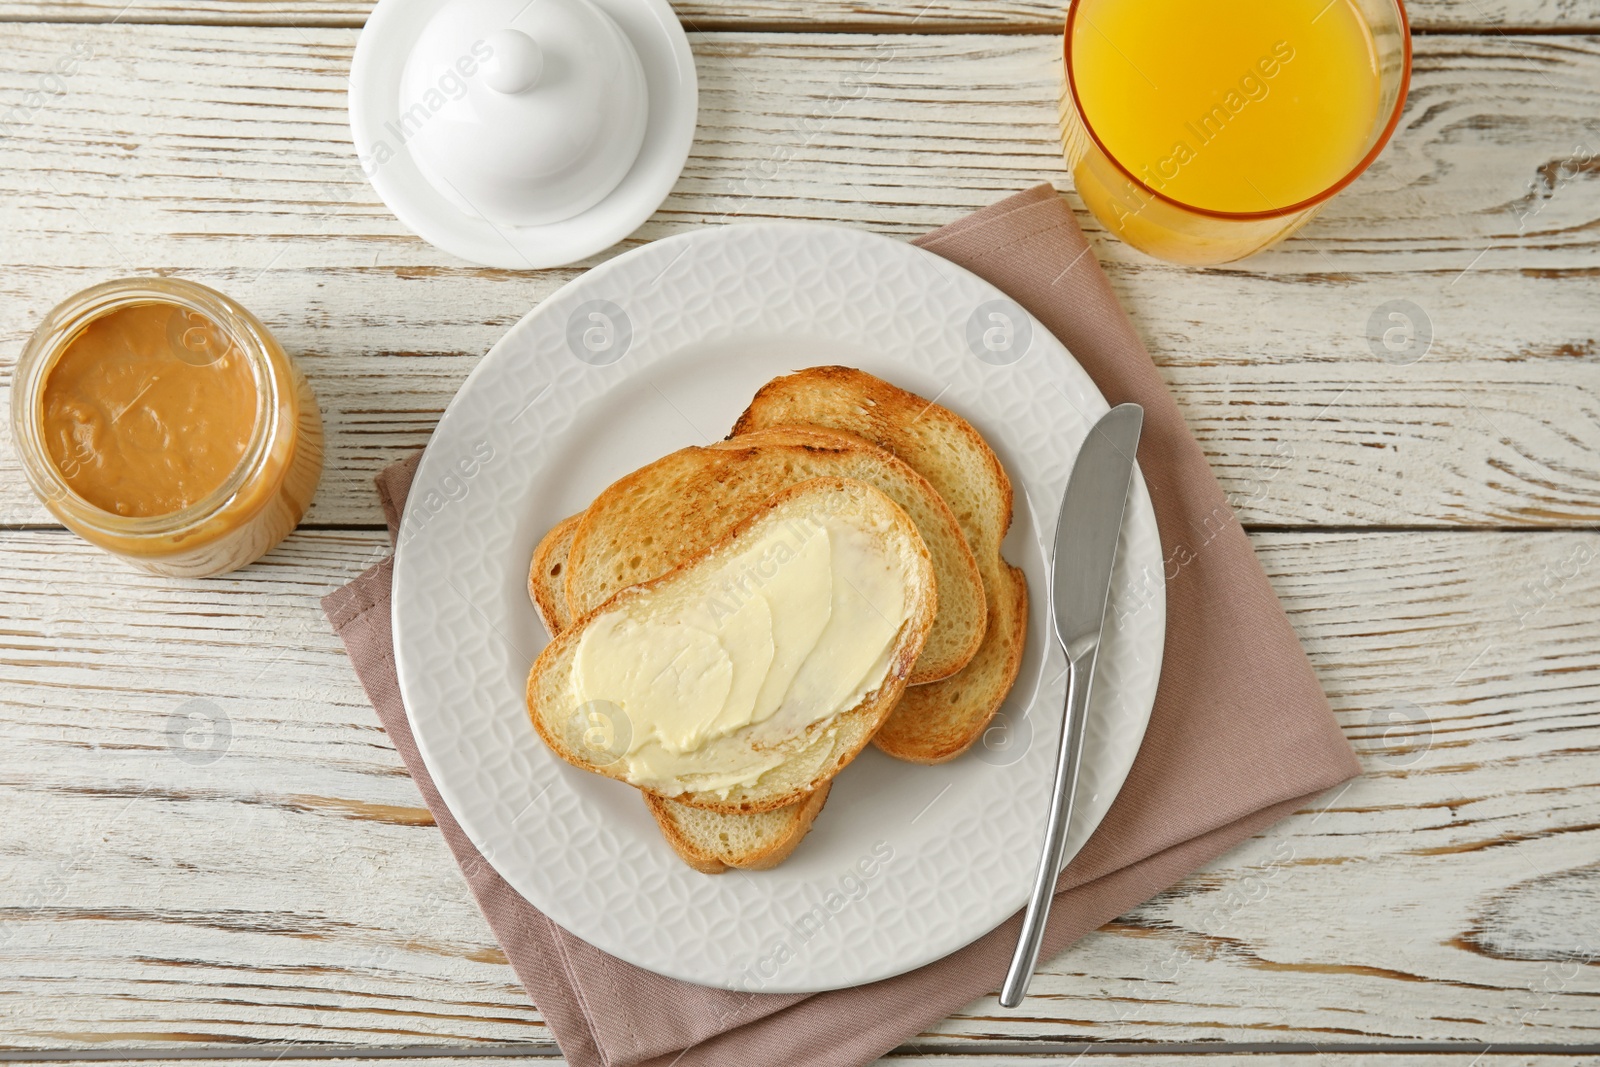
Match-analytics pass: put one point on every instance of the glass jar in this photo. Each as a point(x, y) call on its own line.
point(254, 506)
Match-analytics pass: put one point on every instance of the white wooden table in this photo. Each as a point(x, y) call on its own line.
point(1432, 527)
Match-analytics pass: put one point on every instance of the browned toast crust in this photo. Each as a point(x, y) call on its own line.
point(702, 848)
point(938, 721)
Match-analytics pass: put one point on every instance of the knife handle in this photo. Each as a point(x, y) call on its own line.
point(1069, 754)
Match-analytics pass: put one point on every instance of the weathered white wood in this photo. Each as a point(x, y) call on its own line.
point(900, 16)
point(162, 155)
point(917, 1058)
point(291, 889)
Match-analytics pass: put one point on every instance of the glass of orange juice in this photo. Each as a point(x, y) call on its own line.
point(1202, 131)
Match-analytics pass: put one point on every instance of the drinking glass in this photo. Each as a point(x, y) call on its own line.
point(1195, 236)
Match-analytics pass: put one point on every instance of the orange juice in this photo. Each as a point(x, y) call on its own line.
point(1228, 105)
point(1202, 131)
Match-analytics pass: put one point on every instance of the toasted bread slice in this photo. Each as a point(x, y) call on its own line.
point(651, 520)
point(935, 722)
point(803, 761)
point(711, 842)
point(547, 583)
point(708, 841)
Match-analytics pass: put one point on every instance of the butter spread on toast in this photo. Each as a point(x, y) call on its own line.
point(795, 627)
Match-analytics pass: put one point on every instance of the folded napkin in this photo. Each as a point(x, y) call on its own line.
point(1241, 734)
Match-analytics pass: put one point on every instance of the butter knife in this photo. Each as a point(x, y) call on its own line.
point(1080, 580)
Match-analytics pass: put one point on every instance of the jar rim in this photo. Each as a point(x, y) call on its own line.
point(63, 325)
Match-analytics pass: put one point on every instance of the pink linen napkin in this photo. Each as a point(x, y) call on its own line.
point(1241, 734)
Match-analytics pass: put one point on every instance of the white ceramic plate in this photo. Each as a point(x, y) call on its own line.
point(662, 348)
point(385, 44)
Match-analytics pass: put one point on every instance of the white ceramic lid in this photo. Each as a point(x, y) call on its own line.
point(523, 133)
point(540, 111)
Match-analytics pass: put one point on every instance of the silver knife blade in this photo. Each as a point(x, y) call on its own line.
point(1090, 523)
point(1080, 577)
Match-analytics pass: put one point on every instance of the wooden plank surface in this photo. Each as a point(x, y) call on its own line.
point(548, 1056)
point(266, 873)
point(208, 842)
point(160, 157)
point(1002, 1056)
point(894, 16)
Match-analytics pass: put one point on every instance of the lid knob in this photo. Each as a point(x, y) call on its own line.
point(516, 64)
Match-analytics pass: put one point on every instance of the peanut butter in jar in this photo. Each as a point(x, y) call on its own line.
point(160, 420)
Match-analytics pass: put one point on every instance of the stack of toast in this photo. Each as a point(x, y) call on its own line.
point(826, 437)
